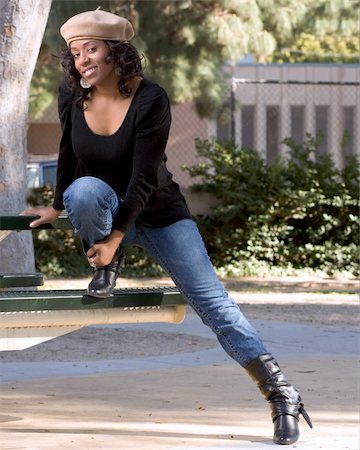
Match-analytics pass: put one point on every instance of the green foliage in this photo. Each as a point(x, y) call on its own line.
point(313, 31)
point(326, 17)
point(320, 49)
point(192, 42)
point(298, 212)
point(58, 253)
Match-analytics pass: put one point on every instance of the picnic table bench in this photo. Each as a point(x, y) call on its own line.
point(29, 317)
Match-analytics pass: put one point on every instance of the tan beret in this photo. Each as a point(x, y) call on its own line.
point(97, 25)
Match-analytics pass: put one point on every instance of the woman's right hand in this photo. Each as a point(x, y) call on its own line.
point(47, 215)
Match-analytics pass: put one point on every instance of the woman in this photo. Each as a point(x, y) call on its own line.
point(114, 184)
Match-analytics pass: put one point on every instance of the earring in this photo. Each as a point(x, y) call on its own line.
point(84, 84)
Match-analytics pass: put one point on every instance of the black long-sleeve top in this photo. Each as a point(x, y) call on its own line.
point(132, 160)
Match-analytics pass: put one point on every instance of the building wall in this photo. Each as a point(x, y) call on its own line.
point(43, 138)
point(290, 100)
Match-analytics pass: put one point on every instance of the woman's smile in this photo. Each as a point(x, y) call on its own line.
point(88, 72)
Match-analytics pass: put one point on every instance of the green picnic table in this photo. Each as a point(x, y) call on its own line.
point(28, 317)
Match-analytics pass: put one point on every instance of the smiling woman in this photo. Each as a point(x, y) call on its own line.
point(95, 63)
point(114, 183)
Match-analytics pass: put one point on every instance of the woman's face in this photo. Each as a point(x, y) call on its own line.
point(90, 60)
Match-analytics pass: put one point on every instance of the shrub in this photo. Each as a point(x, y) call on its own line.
point(297, 212)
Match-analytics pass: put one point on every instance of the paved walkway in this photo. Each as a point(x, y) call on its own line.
point(186, 400)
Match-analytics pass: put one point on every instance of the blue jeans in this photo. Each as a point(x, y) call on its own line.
point(179, 249)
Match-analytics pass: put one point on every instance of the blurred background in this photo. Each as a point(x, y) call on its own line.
point(279, 79)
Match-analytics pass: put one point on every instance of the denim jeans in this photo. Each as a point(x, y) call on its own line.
point(91, 205)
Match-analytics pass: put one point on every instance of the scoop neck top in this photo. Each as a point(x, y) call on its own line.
point(132, 160)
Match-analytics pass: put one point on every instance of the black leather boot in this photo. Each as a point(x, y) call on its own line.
point(104, 278)
point(285, 401)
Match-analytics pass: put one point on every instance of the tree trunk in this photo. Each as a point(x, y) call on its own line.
point(22, 25)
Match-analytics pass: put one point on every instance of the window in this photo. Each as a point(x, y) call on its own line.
point(223, 130)
point(297, 126)
point(272, 133)
point(321, 127)
point(248, 126)
point(348, 114)
point(223, 122)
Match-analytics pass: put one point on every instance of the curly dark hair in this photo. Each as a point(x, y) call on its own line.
point(127, 66)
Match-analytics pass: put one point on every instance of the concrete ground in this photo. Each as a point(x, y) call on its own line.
point(164, 386)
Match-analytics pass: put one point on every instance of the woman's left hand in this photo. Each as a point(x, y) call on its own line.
point(101, 253)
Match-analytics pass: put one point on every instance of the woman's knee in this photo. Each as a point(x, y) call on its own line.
point(83, 191)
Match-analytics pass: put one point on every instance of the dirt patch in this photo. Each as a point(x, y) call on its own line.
point(293, 284)
point(95, 343)
point(315, 314)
